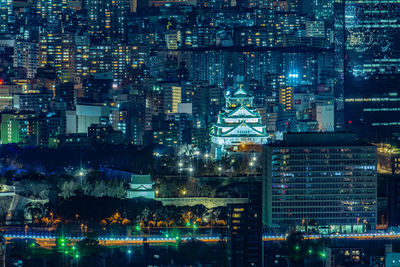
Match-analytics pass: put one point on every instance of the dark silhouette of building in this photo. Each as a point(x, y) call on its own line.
point(244, 246)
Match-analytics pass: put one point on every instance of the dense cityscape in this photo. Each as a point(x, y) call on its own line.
point(200, 133)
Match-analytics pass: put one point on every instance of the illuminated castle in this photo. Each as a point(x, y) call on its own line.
point(239, 126)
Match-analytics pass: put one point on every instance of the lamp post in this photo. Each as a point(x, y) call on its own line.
point(81, 173)
point(129, 255)
point(180, 165)
point(251, 164)
point(190, 171)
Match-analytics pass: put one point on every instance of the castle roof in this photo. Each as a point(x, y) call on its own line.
point(242, 111)
point(238, 131)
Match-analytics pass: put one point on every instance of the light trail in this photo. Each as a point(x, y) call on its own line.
point(50, 240)
point(363, 236)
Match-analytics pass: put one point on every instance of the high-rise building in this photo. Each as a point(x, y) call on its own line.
point(117, 59)
point(104, 134)
point(20, 128)
point(7, 92)
point(6, 8)
point(52, 126)
point(107, 20)
point(136, 5)
point(32, 102)
point(173, 39)
point(286, 98)
point(372, 71)
point(325, 115)
point(320, 180)
point(26, 55)
point(323, 9)
point(82, 44)
point(172, 94)
point(50, 10)
point(388, 159)
point(315, 29)
point(244, 247)
point(66, 93)
point(57, 51)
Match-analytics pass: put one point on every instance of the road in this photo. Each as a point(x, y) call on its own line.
point(49, 240)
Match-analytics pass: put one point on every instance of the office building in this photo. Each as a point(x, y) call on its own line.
point(107, 20)
point(372, 68)
point(6, 7)
point(103, 133)
point(320, 181)
point(244, 247)
point(32, 102)
point(26, 55)
point(58, 51)
point(66, 93)
point(52, 126)
point(172, 95)
point(7, 92)
point(388, 159)
point(20, 128)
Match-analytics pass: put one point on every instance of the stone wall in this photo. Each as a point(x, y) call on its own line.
point(206, 201)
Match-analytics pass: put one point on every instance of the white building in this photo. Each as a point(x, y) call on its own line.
point(325, 116)
point(141, 186)
point(239, 125)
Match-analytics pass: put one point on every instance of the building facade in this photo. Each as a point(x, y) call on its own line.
point(320, 181)
point(372, 68)
point(244, 247)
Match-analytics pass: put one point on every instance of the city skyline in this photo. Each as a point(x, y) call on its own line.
point(199, 133)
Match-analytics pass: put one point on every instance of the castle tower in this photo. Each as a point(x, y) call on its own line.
point(239, 126)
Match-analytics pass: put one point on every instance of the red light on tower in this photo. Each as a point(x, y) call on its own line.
point(287, 123)
point(350, 122)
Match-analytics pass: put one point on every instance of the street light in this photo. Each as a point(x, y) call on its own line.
point(81, 173)
point(323, 254)
point(190, 171)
